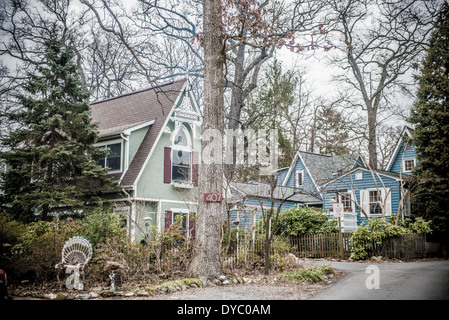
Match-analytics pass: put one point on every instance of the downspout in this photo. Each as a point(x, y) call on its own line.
point(128, 199)
point(125, 136)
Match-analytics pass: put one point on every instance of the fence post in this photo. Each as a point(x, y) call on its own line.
point(340, 236)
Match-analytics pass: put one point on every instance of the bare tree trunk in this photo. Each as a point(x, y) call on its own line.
point(206, 260)
point(372, 138)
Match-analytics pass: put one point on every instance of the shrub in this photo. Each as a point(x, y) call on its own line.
point(304, 220)
point(312, 274)
point(36, 251)
point(417, 225)
point(377, 229)
point(36, 247)
point(99, 227)
point(10, 229)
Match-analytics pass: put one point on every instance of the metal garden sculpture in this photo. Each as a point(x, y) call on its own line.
point(76, 253)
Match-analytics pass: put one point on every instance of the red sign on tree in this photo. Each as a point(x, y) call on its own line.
point(213, 197)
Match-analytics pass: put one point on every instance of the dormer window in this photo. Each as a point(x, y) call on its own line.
point(113, 159)
point(409, 164)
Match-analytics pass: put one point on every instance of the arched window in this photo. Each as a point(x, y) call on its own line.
point(181, 156)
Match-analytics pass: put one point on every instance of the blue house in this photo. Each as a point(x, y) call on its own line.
point(308, 170)
point(367, 193)
point(245, 202)
point(404, 157)
point(320, 180)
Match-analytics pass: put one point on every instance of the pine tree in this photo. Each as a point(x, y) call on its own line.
point(430, 115)
point(52, 160)
point(332, 133)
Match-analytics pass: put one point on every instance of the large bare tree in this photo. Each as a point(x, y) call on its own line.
point(381, 44)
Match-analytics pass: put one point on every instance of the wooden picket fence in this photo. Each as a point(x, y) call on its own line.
point(408, 246)
point(321, 245)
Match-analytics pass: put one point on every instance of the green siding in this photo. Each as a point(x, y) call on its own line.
point(135, 139)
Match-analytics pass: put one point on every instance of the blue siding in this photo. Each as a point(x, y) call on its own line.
point(308, 182)
point(254, 209)
point(402, 155)
point(367, 182)
point(281, 175)
point(359, 162)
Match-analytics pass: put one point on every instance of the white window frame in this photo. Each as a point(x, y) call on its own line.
point(410, 159)
point(379, 202)
point(297, 184)
point(111, 142)
point(385, 200)
point(351, 199)
point(174, 148)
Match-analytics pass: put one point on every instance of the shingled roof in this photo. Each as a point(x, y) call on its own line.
point(322, 167)
point(115, 115)
point(263, 190)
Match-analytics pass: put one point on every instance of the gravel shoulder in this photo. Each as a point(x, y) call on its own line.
point(273, 290)
point(261, 288)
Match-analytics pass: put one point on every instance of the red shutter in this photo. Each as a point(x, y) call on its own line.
point(168, 219)
point(167, 165)
point(195, 168)
point(192, 220)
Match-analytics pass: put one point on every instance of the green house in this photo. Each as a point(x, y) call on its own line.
point(153, 138)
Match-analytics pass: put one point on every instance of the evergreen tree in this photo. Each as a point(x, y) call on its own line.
point(431, 135)
point(332, 132)
point(52, 160)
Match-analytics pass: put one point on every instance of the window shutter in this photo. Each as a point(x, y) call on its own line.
point(192, 220)
point(364, 200)
point(168, 219)
point(195, 168)
point(386, 198)
point(167, 165)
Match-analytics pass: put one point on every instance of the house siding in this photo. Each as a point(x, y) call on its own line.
point(281, 174)
point(367, 182)
point(397, 166)
point(252, 211)
point(308, 182)
point(151, 183)
point(135, 139)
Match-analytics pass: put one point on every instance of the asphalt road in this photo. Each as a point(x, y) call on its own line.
point(426, 280)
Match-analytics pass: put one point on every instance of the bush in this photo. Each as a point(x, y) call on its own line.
point(377, 229)
point(99, 227)
point(37, 249)
point(309, 273)
point(417, 225)
point(10, 229)
point(298, 221)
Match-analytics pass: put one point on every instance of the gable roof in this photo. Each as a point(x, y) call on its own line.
point(406, 131)
point(152, 105)
point(322, 167)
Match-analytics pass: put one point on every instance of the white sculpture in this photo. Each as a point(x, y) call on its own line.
point(76, 253)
